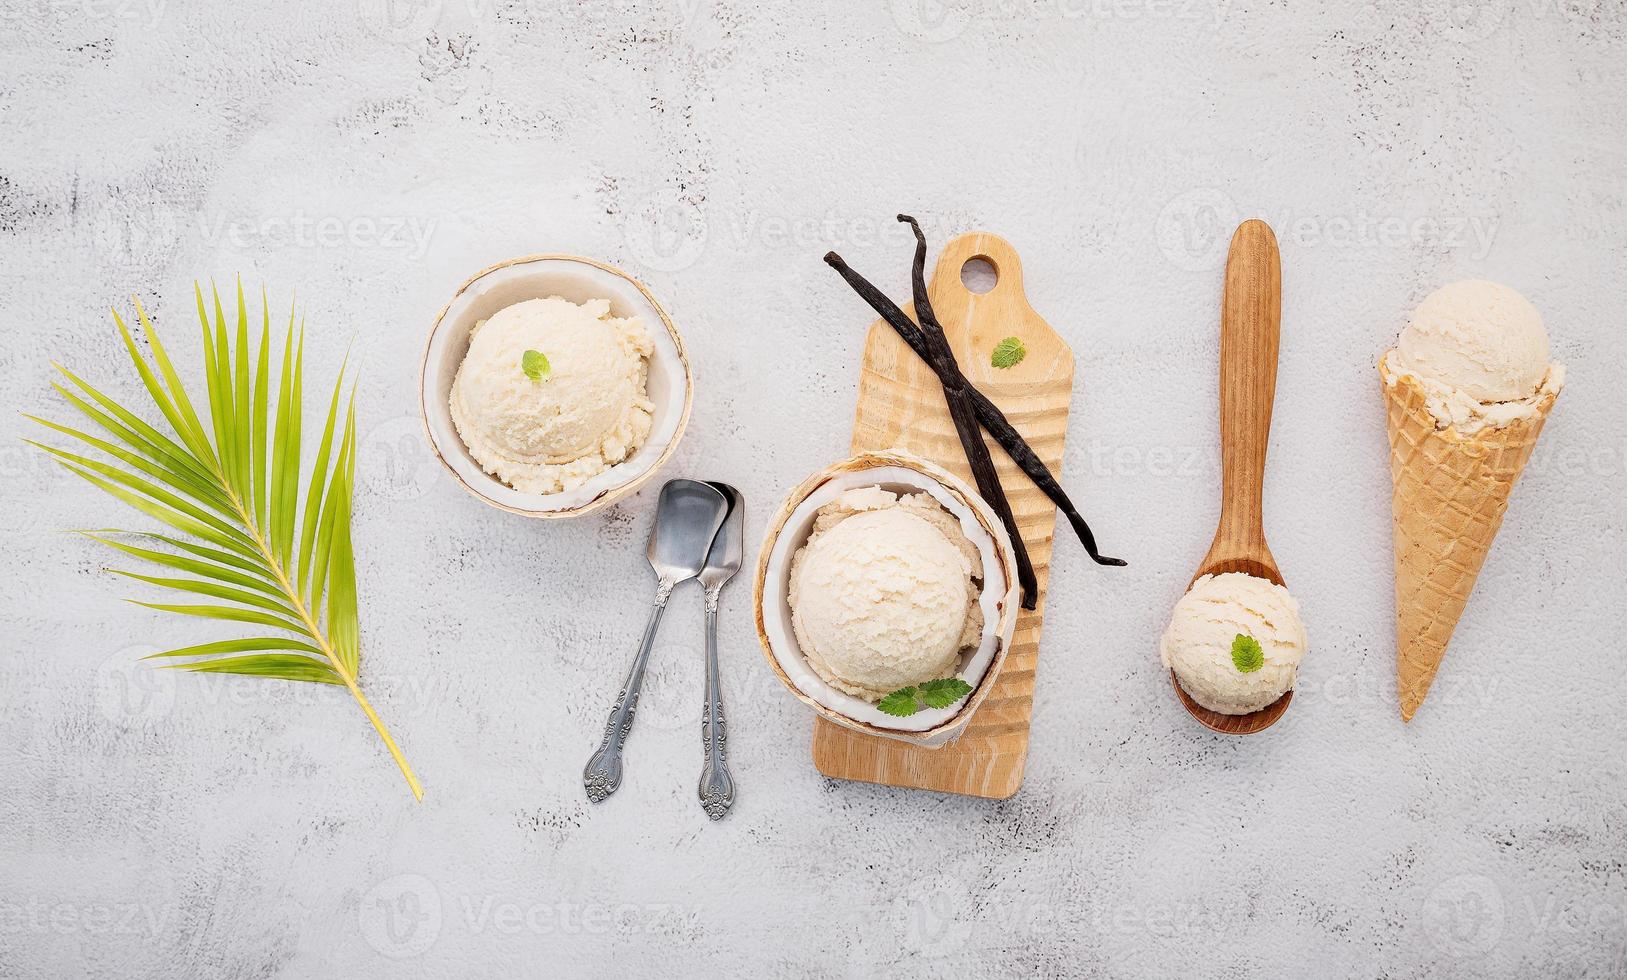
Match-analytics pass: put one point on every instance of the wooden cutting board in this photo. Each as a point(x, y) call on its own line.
point(901, 405)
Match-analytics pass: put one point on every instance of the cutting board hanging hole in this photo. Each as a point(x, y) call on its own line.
point(979, 274)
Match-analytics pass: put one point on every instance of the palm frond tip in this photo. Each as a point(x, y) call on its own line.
point(256, 544)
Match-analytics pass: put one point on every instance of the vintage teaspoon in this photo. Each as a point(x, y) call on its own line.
point(716, 785)
point(686, 521)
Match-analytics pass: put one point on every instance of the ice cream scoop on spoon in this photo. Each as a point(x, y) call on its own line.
point(687, 519)
point(1235, 641)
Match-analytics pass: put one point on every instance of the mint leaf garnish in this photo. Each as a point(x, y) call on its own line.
point(534, 365)
point(1247, 656)
point(940, 693)
point(945, 692)
point(900, 703)
point(1008, 353)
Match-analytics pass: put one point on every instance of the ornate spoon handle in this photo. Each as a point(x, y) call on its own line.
point(602, 776)
point(716, 785)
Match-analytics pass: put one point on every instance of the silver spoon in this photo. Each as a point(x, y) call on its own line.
point(717, 786)
point(686, 521)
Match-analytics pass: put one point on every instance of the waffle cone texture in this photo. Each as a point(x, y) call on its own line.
point(1450, 492)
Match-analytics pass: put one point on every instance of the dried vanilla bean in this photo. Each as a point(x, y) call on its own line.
point(988, 413)
point(955, 389)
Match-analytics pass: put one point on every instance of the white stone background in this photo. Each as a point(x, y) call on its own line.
point(369, 156)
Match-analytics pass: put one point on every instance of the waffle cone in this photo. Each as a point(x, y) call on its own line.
point(1450, 494)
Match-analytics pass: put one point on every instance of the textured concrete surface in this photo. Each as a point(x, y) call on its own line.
point(370, 155)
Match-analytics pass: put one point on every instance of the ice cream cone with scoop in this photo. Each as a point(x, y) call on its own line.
point(1467, 387)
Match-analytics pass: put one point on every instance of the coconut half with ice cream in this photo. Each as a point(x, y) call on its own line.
point(554, 385)
point(880, 573)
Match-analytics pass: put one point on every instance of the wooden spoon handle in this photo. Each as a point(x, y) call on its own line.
point(1250, 327)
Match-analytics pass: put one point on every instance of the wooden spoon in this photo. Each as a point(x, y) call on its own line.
point(1250, 322)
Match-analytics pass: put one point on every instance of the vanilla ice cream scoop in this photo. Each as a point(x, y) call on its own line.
point(1480, 352)
point(881, 597)
point(1234, 642)
point(578, 410)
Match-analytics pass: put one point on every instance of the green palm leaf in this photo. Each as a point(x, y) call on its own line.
point(251, 546)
